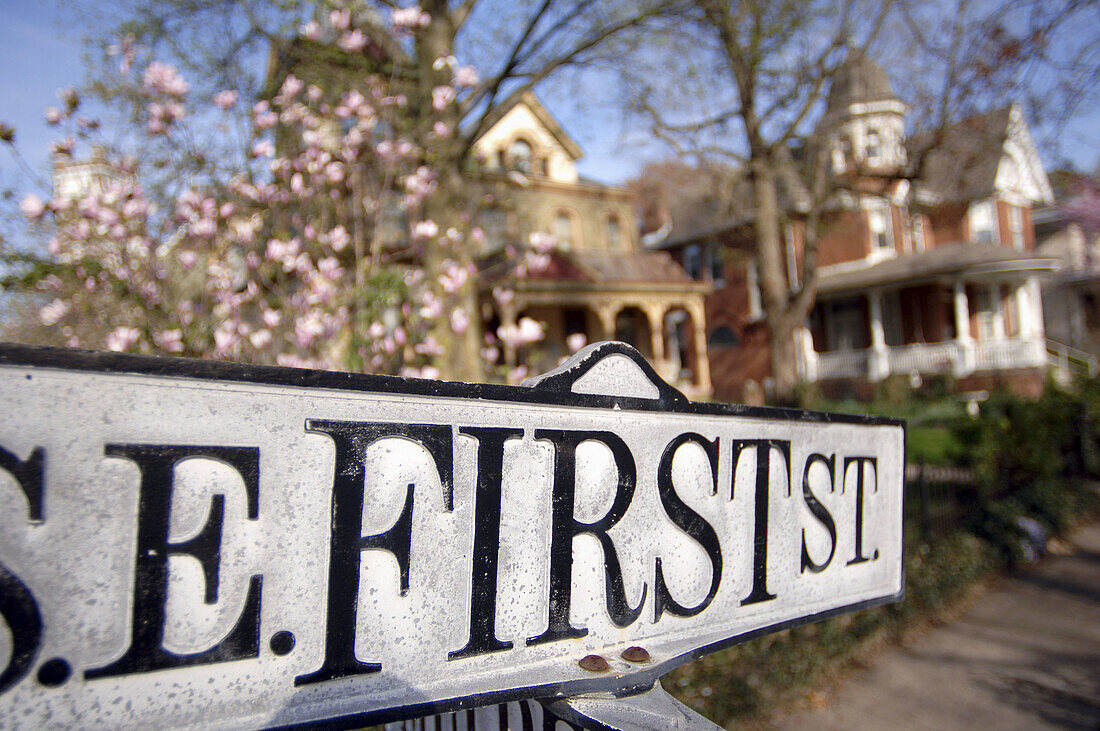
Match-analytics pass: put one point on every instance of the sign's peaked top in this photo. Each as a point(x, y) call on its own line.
point(609, 369)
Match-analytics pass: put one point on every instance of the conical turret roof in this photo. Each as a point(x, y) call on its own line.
point(859, 80)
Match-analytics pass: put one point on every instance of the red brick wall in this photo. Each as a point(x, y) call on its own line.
point(844, 237)
point(948, 224)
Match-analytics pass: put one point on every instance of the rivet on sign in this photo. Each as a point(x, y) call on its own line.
point(635, 654)
point(595, 663)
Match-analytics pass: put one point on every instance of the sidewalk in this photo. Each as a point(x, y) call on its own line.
point(1025, 655)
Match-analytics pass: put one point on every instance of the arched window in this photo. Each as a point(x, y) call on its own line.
point(563, 229)
point(519, 156)
point(722, 337)
point(614, 232)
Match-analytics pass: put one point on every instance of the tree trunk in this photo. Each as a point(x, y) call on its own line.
point(770, 252)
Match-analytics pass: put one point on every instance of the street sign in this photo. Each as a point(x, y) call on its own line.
point(186, 543)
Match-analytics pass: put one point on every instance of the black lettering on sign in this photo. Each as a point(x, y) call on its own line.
point(483, 576)
point(17, 603)
point(565, 527)
point(691, 523)
point(819, 511)
point(859, 462)
point(156, 464)
point(763, 448)
point(348, 483)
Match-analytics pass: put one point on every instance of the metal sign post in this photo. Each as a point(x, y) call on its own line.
point(189, 543)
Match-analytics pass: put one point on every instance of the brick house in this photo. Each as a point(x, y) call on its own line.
point(926, 264)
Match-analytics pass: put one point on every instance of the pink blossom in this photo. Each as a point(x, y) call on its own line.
point(272, 318)
point(330, 268)
point(122, 338)
point(161, 78)
point(187, 259)
point(465, 76)
point(225, 339)
point(426, 229)
point(53, 115)
point(263, 148)
point(170, 340)
point(503, 296)
point(460, 321)
point(311, 31)
point(517, 375)
point(260, 339)
point(292, 85)
point(52, 313)
point(340, 18)
point(411, 18)
point(376, 330)
point(432, 307)
point(32, 206)
point(441, 130)
point(225, 99)
point(523, 333)
point(352, 41)
point(536, 263)
point(204, 228)
point(543, 242)
point(576, 341)
point(442, 96)
point(429, 346)
point(453, 278)
point(125, 48)
point(338, 238)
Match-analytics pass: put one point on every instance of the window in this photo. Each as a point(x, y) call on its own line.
point(1016, 226)
point(874, 147)
point(845, 324)
point(519, 155)
point(614, 232)
point(722, 337)
point(882, 233)
point(752, 284)
point(494, 223)
point(717, 265)
point(563, 229)
point(987, 312)
point(918, 233)
point(981, 223)
point(841, 153)
point(693, 263)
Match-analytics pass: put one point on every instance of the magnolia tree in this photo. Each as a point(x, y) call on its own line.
point(281, 257)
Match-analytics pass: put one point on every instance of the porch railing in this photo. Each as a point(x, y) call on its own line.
point(842, 364)
point(1004, 354)
point(923, 358)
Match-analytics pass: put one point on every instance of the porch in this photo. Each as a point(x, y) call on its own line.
point(959, 327)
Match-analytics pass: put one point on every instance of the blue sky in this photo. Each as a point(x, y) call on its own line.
point(39, 58)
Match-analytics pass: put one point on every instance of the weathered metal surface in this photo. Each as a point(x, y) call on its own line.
point(196, 544)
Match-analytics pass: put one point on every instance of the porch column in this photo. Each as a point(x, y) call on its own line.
point(702, 359)
point(653, 315)
point(1023, 312)
point(606, 313)
point(964, 363)
point(804, 344)
point(1036, 297)
point(878, 364)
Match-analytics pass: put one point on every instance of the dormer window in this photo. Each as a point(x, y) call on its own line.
point(519, 156)
point(981, 222)
point(840, 155)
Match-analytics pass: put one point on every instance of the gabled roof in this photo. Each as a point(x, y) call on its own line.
point(961, 162)
point(547, 120)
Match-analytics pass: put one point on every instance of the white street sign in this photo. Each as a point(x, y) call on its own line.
point(189, 544)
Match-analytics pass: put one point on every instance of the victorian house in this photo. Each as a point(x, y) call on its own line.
point(926, 260)
point(597, 282)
